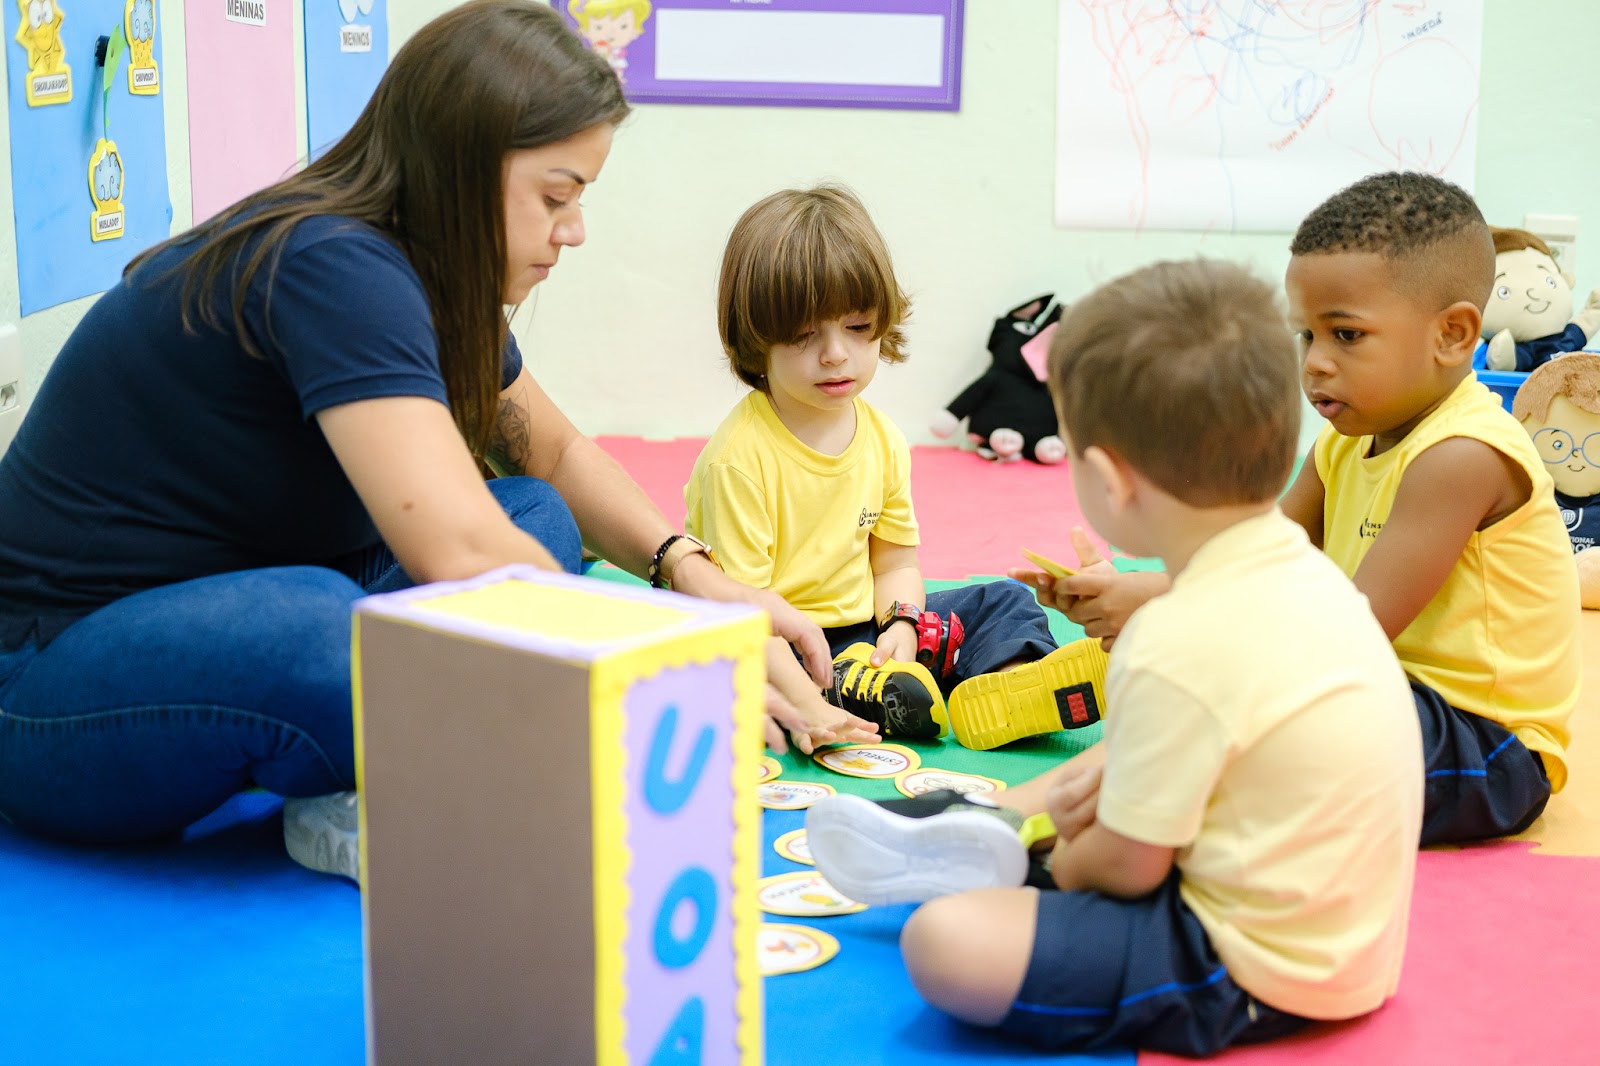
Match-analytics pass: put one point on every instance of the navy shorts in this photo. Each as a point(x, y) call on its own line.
point(1481, 781)
point(1140, 973)
point(1003, 621)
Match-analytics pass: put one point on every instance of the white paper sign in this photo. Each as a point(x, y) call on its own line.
point(245, 12)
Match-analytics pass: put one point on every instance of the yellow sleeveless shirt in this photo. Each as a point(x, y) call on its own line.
point(1499, 638)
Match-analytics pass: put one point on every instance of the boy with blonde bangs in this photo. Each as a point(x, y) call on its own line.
point(805, 489)
point(1236, 857)
point(1429, 494)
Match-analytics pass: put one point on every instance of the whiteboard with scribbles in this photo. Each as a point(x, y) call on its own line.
point(1243, 115)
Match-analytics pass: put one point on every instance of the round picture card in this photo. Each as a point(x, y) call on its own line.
point(932, 779)
point(792, 846)
point(805, 894)
point(792, 948)
point(771, 769)
point(868, 760)
point(791, 795)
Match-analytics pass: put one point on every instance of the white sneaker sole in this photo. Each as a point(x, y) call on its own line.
point(315, 840)
point(875, 856)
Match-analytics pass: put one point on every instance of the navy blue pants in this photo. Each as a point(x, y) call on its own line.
point(1003, 621)
point(1109, 972)
point(1482, 782)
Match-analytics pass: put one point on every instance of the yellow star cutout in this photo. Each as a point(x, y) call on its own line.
point(40, 33)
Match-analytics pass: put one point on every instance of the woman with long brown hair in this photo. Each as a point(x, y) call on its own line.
point(293, 405)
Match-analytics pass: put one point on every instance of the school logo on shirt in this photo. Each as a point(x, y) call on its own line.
point(1370, 529)
point(868, 518)
point(1571, 517)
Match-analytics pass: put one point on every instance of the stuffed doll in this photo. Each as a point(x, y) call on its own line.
point(1527, 320)
point(1008, 410)
point(1559, 405)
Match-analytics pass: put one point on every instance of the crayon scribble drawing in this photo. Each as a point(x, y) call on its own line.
point(1241, 115)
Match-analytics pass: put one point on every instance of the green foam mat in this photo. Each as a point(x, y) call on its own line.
point(1013, 763)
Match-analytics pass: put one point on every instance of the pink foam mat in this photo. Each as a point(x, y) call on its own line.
point(1502, 962)
point(974, 514)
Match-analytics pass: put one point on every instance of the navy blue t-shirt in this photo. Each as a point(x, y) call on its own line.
point(1581, 516)
point(1531, 355)
point(152, 455)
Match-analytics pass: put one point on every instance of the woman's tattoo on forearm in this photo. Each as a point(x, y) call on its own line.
point(510, 442)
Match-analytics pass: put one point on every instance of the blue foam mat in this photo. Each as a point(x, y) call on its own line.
point(220, 949)
point(861, 1006)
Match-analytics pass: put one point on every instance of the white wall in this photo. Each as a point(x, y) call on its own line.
point(623, 333)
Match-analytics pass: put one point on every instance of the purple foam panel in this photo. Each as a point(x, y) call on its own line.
point(678, 737)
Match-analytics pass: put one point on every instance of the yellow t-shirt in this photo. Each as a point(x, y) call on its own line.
point(784, 516)
point(1499, 638)
point(1264, 729)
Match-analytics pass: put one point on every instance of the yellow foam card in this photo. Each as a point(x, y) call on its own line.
point(1049, 566)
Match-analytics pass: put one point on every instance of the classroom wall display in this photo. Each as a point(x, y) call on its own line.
point(560, 841)
point(88, 148)
point(241, 70)
point(347, 51)
point(819, 53)
point(1235, 115)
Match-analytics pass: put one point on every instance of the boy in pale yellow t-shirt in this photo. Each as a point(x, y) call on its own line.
point(1237, 856)
point(1429, 495)
point(805, 489)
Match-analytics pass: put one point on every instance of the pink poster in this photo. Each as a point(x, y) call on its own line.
point(241, 98)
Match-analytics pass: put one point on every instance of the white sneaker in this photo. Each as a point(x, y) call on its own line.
point(875, 856)
point(320, 832)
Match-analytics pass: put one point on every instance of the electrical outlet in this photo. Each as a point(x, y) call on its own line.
point(1560, 232)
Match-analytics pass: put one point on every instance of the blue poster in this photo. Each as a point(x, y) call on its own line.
point(88, 174)
point(347, 49)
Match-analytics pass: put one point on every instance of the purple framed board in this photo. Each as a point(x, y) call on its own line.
point(781, 53)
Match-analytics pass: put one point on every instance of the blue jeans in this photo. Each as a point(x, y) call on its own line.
point(147, 714)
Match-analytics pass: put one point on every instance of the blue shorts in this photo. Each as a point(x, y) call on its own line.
point(1481, 781)
point(1140, 973)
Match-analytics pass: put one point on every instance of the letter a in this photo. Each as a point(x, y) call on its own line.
point(681, 1044)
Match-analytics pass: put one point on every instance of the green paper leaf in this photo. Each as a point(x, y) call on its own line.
point(114, 50)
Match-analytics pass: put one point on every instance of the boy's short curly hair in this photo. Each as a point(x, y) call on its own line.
point(1188, 372)
point(1429, 229)
point(799, 257)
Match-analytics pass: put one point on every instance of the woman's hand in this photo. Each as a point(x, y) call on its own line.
point(797, 706)
point(698, 576)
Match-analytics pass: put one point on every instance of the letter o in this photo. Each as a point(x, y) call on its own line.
point(694, 886)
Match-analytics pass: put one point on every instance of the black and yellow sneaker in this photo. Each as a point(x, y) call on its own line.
point(1064, 690)
point(902, 698)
